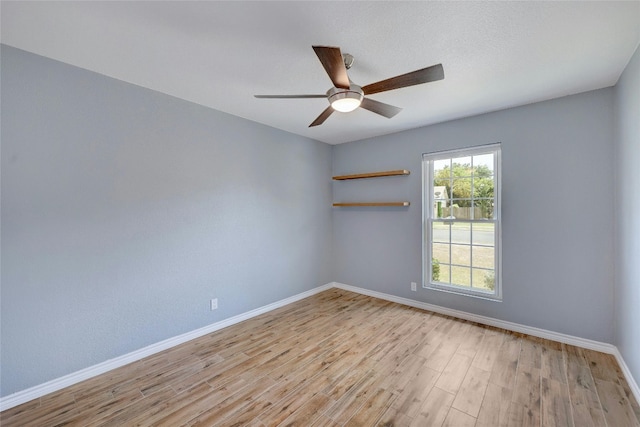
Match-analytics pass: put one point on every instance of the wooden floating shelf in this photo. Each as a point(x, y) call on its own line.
point(372, 204)
point(372, 175)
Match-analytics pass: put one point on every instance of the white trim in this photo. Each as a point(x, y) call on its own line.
point(429, 217)
point(35, 392)
point(510, 326)
point(475, 150)
point(633, 385)
point(92, 371)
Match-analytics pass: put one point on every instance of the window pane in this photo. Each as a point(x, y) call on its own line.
point(444, 274)
point(483, 234)
point(441, 197)
point(484, 256)
point(442, 168)
point(440, 252)
point(461, 276)
point(483, 188)
point(448, 212)
point(484, 279)
point(461, 166)
point(461, 255)
point(440, 232)
point(440, 203)
point(461, 189)
point(483, 209)
point(483, 165)
point(461, 209)
point(461, 232)
point(438, 271)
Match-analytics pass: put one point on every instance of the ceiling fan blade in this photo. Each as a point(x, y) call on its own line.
point(290, 96)
point(425, 75)
point(380, 108)
point(322, 117)
point(331, 59)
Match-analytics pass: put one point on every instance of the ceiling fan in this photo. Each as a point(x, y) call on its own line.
point(345, 96)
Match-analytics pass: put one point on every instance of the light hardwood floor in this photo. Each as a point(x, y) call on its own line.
point(340, 358)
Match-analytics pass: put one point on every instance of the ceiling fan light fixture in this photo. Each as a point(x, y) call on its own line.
point(345, 100)
point(345, 96)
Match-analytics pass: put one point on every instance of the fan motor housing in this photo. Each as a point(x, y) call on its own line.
point(354, 92)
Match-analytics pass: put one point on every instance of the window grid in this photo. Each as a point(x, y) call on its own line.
point(471, 245)
point(481, 210)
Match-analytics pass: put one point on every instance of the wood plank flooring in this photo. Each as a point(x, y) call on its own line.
point(344, 359)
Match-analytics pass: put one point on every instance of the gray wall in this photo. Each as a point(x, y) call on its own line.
point(558, 209)
point(627, 184)
point(125, 210)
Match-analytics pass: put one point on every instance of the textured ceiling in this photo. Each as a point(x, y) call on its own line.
point(219, 54)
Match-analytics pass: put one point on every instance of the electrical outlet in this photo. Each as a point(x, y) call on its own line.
point(414, 286)
point(214, 304)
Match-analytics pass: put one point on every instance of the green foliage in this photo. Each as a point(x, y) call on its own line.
point(458, 179)
point(490, 280)
point(435, 270)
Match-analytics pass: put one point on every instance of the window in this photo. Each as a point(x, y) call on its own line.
point(461, 208)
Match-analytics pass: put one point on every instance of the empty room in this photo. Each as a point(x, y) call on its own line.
point(229, 213)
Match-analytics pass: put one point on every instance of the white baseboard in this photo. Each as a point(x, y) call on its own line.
point(510, 326)
point(92, 371)
point(24, 396)
point(516, 327)
point(633, 385)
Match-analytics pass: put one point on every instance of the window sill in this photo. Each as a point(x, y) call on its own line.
point(463, 291)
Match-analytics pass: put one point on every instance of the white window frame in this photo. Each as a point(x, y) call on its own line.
point(428, 217)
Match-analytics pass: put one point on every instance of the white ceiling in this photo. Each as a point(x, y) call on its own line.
point(219, 54)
